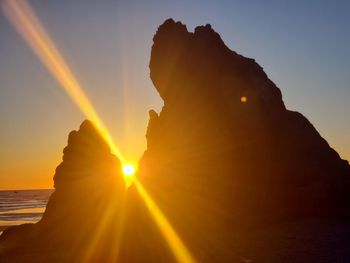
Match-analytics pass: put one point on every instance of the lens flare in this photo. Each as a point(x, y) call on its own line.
point(178, 248)
point(29, 27)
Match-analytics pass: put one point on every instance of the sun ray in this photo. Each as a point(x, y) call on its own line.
point(178, 248)
point(108, 219)
point(23, 18)
point(29, 27)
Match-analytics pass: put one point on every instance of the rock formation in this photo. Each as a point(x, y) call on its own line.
point(90, 217)
point(233, 170)
point(224, 153)
point(82, 211)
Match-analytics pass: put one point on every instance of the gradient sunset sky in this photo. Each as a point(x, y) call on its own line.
point(303, 47)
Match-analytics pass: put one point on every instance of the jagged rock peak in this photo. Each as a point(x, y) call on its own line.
point(179, 28)
point(223, 113)
point(86, 155)
point(185, 64)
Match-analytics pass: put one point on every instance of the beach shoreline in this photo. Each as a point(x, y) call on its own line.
point(22, 206)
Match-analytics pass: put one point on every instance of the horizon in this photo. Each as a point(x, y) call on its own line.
point(110, 56)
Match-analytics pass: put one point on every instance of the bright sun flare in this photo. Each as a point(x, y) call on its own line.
point(30, 28)
point(128, 169)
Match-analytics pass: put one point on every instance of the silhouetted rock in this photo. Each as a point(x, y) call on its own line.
point(90, 217)
point(224, 152)
point(239, 176)
point(83, 211)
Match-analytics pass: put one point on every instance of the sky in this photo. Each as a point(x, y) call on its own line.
point(303, 47)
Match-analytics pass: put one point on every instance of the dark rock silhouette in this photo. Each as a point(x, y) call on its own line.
point(256, 151)
point(238, 175)
point(225, 154)
point(90, 217)
point(86, 189)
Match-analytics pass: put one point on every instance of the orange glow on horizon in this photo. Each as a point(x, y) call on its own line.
point(244, 99)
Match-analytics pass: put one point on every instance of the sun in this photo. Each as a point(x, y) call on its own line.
point(129, 170)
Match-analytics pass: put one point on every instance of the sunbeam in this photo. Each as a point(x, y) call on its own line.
point(178, 248)
point(22, 17)
point(26, 23)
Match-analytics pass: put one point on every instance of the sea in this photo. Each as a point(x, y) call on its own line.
point(22, 206)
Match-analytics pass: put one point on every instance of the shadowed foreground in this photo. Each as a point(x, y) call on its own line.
point(240, 177)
